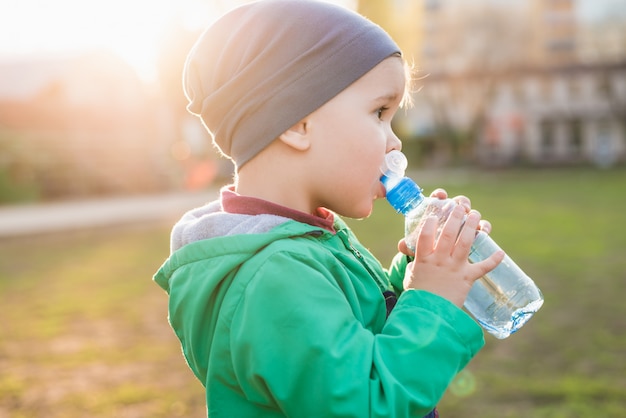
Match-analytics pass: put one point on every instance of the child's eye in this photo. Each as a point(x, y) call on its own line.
point(381, 111)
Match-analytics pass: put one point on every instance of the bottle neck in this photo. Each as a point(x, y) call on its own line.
point(404, 195)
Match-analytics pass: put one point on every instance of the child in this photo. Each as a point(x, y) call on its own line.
point(279, 309)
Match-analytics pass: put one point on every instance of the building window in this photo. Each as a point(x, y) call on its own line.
point(604, 86)
point(548, 143)
point(604, 152)
point(576, 137)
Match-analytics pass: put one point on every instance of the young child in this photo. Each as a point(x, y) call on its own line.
point(279, 309)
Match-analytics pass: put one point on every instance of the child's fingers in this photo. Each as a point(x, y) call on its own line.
point(426, 238)
point(439, 193)
point(485, 226)
point(450, 231)
point(466, 236)
point(404, 248)
point(485, 266)
point(463, 201)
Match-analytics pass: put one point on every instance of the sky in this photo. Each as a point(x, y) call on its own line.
point(131, 28)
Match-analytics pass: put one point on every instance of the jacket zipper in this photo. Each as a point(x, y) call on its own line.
point(357, 254)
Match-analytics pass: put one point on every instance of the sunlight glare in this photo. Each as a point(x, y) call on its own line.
point(133, 29)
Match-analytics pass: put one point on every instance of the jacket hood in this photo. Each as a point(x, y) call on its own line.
point(210, 222)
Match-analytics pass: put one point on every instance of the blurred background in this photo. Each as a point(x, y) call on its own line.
point(519, 104)
point(91, 101)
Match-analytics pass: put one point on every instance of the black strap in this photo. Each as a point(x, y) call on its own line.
point(390, 300)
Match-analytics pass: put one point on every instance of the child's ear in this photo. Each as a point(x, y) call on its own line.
point(297, 136)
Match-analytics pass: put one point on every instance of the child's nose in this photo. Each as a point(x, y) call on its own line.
point(393, 142)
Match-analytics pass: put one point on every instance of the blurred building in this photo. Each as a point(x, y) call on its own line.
point(80, 125)
point(558, 115)
point(518, 81)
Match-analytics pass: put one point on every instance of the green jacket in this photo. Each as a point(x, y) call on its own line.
point(279, 318)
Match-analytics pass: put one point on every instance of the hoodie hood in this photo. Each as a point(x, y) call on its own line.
point(210, 222)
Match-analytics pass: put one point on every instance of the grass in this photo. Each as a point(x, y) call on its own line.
point(84, 329)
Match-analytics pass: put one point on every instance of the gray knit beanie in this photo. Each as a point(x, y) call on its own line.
point(266, 65)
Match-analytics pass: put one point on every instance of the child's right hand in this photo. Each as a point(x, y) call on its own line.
point(441, 266)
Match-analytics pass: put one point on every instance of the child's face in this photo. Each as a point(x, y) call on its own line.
point(352, 134)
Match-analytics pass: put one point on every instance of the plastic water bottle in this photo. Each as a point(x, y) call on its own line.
point(503, 300)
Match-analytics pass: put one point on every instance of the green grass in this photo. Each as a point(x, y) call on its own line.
point(84, 330)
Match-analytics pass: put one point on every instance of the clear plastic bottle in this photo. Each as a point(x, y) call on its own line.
point(503, 300)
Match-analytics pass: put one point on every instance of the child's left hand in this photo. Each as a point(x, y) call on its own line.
point(464, 201)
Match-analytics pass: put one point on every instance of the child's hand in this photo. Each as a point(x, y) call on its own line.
point(483, 225)
point(441, 265)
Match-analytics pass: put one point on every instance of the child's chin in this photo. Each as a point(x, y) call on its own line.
point(363, 213)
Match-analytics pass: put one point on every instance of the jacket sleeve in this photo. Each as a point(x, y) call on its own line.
point(297, 345)
point(396, 272)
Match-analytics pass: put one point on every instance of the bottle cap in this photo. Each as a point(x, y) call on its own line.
point(395, 164)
